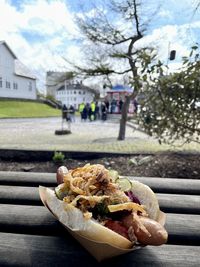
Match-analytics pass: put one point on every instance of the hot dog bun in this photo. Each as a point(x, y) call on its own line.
point(147, 198)
point(73, 218)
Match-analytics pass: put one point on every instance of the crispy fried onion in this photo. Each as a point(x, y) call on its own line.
point(127, 206)
point(90, 180)
point(93, 184)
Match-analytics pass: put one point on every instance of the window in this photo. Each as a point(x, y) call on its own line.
point(83, 92)
point(74, 92)
point(79, 92)
point(30, 86)
point(74, 98)
point(1, 82)
point(7, 84)
point(15, 85)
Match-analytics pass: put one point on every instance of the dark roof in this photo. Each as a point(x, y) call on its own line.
point(61, 88)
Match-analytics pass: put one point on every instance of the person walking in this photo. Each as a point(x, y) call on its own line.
point(97, 111)
point(72, 113)
point(107, 105)
point(85, 112)
point(67, 117)
point(120, 105)
point(92, 111)
point(81, 108)
point(103, 111)
point(113, 106)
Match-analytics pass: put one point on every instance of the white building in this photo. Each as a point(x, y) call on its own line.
point(16, 80)
point(68, 91)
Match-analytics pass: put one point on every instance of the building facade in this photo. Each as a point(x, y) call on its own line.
point(16, 80)
point(68, 91)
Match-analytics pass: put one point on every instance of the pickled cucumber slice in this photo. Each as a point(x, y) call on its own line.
point(61, 191)
point(124, 184)
point(114, 175)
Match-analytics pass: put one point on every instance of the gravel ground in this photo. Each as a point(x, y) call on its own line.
point(39, 134)
point(98, 136)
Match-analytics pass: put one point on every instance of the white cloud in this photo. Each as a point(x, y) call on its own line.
point(47, 18)
point(172, 37)
point(165, 14)
point(48, 21)
point(40, 32)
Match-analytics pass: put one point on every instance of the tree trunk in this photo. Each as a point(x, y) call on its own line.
point(123, 120)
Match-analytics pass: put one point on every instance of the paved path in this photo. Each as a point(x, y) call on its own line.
point(39, 134)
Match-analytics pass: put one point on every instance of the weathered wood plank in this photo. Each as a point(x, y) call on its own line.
point(20, 195)
point(28, 219)
point(50, 245)
point(179, 203)
point(27, 250)
point(159, 185)
point(182, 228)
point(168, 202)
point(172, 185)
point(27, 178)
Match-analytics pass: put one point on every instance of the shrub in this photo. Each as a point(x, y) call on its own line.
point(58, 157)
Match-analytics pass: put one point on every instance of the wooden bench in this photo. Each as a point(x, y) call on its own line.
point(31, 236)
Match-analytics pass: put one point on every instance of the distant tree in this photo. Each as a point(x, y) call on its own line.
point(112, 33)
point(196, 5)
point(171, 102)
point(171, 107)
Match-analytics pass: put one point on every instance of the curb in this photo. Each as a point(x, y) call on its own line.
point(44, 155)
point(47, 155)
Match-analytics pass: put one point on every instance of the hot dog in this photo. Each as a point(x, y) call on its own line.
point(89, 201)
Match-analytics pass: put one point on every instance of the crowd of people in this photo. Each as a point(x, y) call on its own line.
point(95, 111)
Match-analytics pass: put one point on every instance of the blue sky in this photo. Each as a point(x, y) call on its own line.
point(40, 31)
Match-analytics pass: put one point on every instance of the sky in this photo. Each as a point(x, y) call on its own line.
point(42, 32)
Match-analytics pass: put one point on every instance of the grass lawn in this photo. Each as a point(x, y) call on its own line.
point(20, 109)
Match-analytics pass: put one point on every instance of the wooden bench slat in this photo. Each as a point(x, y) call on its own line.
point(182, 228)
point(179, 203)
point(27, 178)
point(171, 185)
point(159, 185)
point(31, 236)
point(29, 250)
point(19, 195)
point(28, 219)
point(168, 202)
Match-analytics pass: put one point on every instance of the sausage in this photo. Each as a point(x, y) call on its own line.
point(158, 234)
point(147, 231)
point(61, 171)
